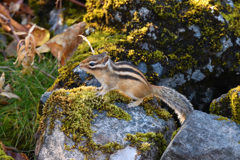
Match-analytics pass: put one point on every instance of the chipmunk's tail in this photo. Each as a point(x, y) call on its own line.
point(175, 100)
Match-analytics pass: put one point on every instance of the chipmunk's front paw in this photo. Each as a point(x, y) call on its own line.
point(99, 89)
point(100, 94)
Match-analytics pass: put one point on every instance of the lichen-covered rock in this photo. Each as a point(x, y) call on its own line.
point(76, 124)
point(205, 137)
point(228, 105)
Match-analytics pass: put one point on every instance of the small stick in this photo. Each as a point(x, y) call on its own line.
point(78, 3)
point(5, 67)
point(85, 39)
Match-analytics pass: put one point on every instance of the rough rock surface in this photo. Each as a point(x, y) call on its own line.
point(204, 137)
point(108, 129)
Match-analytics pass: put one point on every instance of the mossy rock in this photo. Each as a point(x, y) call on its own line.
point(95, 126)
point(228, 105)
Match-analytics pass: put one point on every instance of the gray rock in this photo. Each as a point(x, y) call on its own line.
point(145, 46)
point(238, 41)
point(197, 75)
point(128, 153)
point(45, 97)
point(208, 95)
point(82, 74)
point(118, 17)
point(53, 146)
point(203, 137)
point(158, 68)
point(195, 29)
point(173, 82)
point(107, 129)
point(144, 12)
point(226, 43)
point(209, 66)
point(142, 67)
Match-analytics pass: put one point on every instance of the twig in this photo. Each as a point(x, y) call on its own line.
point(85, 39)
point(50, 76)
point(78, 3)
point(5, 67)
point(8, 21)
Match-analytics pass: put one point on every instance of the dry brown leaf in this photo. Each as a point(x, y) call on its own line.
point(26, 51)
point(8, 88)
point(41, 35)
point(9, 95)
point(12, 152)
point(2, 80)
point(16, 25)
point(26, 9)
point(6, 92)
point(11, 49)
point(63, 45)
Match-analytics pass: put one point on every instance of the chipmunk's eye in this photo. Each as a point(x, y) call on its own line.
point(92, 63)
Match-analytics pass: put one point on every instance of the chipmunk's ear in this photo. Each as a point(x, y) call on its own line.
point(105, 59)
point(104, 54)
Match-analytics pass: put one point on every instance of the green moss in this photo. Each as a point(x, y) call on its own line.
point(235, 103)
point(76, 114)
point(66, 77)
point(221, 118)
point(144, 141)
point(233, 17)
point(110, 147)
point(3, 155)
point(228, 105)
point(174, 133)
point(152, 110)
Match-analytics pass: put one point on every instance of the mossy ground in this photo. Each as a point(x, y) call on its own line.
point(231, 102)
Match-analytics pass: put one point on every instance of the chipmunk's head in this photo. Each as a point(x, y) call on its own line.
point(95, 63)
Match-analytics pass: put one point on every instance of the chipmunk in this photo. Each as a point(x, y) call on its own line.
point(129, 80)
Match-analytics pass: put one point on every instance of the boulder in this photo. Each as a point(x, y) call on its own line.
point(109, 135)
point(205, 137)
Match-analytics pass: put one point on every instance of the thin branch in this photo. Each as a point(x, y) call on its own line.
point(78, 3)
point(8, 21)
point(5, 67)
point(50, 76)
